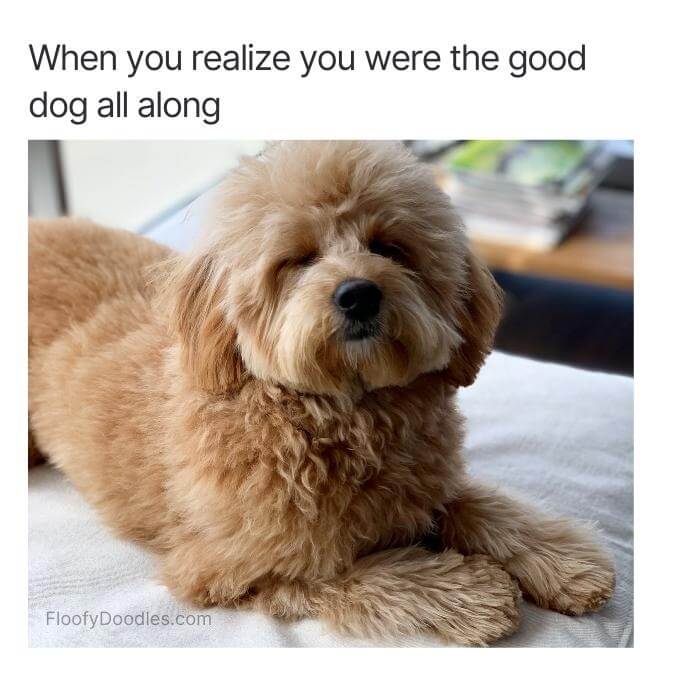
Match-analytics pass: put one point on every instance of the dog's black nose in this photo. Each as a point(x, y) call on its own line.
point(358, 299)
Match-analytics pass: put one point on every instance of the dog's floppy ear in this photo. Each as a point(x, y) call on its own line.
point(209, 343)
point(478, 320)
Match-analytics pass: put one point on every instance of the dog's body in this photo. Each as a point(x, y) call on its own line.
point(279, 442)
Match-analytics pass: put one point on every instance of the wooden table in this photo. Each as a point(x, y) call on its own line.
point(599, 252)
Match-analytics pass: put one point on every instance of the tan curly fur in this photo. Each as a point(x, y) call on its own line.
point(211, 406)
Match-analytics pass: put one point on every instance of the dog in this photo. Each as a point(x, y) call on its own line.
point(274, 414)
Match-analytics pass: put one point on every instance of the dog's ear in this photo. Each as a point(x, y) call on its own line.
point(209, 343)
point(479, 317)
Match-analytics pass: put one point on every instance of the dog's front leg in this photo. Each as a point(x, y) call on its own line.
point(557, 563)
point(467, 600)
point(200, 573)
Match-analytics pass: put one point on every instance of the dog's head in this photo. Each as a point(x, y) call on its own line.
point(334, 267)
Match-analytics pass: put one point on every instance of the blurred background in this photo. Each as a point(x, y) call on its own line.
point(553, 219)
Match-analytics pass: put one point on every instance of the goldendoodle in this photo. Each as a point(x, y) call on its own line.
point(274, 414)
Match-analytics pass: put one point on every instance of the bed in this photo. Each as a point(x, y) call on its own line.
point(559, 437)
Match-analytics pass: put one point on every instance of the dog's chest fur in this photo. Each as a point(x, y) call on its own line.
point(306, 484)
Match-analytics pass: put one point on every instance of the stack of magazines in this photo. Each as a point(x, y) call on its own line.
point(523, 193)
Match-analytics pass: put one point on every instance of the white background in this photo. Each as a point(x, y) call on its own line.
point(132, 183)
point(624, 93)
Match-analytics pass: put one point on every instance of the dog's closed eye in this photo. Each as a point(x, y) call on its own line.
point(301, 262)
point(388, 250)
point(306, 260)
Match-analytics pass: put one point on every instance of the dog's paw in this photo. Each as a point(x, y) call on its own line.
point(568, 581)
point(484, 608)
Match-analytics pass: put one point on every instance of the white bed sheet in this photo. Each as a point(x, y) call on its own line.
point(560, 437)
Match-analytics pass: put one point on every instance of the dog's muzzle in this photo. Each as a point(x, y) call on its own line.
point(359, 302)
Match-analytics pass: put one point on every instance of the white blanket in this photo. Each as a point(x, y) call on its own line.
point(559, 437)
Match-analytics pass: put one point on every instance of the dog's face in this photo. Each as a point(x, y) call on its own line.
point(334, 267)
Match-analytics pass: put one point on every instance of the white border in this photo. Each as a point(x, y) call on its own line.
point(623, 94)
